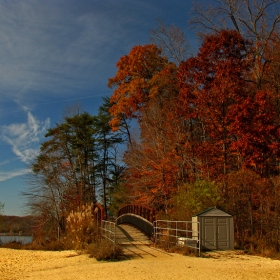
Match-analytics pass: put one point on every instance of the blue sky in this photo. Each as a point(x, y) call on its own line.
point(56, 53)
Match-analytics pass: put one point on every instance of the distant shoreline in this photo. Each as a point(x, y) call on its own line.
point(14, 234)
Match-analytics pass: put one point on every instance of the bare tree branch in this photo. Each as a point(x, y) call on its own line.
point(171, 40)
point(257, 19)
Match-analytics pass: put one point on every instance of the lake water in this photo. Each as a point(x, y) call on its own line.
point(23, 239)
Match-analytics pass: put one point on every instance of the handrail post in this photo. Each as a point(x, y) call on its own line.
point(114, 240)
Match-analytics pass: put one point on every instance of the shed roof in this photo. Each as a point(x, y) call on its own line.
point(213, 211)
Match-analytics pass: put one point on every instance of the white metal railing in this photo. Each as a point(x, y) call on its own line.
point(108, 230)
point(177, 233)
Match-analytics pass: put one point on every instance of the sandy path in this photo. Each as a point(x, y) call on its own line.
point(150, 264)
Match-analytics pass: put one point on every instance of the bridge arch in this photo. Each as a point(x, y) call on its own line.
point(140, 216)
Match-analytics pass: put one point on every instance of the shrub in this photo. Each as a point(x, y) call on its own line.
point(165, 241)
point(13, 245)
point(184, 250)
point(105, 250)
point(168, 242)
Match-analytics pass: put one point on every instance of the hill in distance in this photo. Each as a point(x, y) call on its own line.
point(16, 224)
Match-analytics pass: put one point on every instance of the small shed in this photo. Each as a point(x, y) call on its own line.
point(215, 228)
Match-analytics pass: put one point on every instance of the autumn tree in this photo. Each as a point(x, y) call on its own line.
point(141, 74)
point(162, 159)
point(152, 163)
point(211, 83)
point(256, 133)
point(256, 20)
point(272, 74)
point(145, 86)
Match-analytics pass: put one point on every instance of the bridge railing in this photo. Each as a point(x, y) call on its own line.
point(108, 231)
point(143, 211)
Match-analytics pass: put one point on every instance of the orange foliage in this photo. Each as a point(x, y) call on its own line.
point(141, 75)
point(210, 84)
point(253, 124)
point(153, 168)
point(201, 121)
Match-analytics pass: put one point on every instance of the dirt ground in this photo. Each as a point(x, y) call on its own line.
point(144, 263)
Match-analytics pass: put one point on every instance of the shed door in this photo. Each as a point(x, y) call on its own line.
point(222, 233)
point(209, 233)
point(215, 233)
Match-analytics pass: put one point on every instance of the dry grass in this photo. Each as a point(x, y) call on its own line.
point(82, 229)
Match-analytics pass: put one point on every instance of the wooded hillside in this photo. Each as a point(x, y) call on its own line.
point(16, 224)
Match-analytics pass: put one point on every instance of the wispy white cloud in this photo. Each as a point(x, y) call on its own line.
point(5, 162)
point(24, 138)
point(9, 175)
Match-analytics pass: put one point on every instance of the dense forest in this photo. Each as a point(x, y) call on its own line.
point(180, 132)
